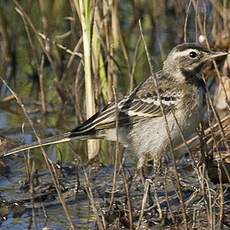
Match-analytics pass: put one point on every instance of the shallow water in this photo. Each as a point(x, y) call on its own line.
point(163, 24)
point(11, 182)
point(17, 211)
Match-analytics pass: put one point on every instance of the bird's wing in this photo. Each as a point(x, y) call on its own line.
point(141, 104)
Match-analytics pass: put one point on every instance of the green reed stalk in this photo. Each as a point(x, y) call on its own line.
point(85, 11)
point(86, 14)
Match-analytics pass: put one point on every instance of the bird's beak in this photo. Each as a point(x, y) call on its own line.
point(214, 55)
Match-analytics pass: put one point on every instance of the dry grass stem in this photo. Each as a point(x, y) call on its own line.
point(178, 187)
point(49, 165)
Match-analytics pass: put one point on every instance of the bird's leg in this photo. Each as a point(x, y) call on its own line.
point(157, 166)
point(143, 178)
point(141, 170)
point(140, 174)
point(150, 169)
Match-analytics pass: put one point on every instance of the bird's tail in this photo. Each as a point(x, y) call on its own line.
point(87, 130)
point(65, 137)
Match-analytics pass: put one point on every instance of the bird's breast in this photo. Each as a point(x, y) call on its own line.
point(190, 111)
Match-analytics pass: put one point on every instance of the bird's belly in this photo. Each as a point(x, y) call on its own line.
point(150, 138)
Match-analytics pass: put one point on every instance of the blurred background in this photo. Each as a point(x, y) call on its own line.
point(42, 46)
point(64, 58)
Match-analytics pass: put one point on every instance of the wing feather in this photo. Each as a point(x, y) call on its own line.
point(142, 103)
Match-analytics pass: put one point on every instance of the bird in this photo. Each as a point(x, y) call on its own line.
point(144, 119)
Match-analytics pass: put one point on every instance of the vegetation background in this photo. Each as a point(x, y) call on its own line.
point(67, 59)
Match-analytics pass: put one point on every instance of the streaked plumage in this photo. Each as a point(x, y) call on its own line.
point(140, 119)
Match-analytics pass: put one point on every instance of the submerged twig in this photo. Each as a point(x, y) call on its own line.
point(49, 165)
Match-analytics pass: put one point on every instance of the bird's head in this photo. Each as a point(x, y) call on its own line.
point(189, 58)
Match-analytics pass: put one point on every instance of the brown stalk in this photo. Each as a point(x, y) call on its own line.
point(116, 152)
point(127, 197)
point(179, 191)
point(134, 64)
point(198, 21)
point(219, 173)
point(62, 47)
point(217, 118)
point(215, 66)
point(206, 132)
point(21, 11)
point(211, 208)
point(41, 77)
point(167, 198)
point(219, 8)
point(30, 169)
point(221, 195)
point(126, 187)
point(186, 21)
point(49, 165)
point(23, 14)
point(125, 53)
point(144, 199)
point(75, 51)
point(99, 217)
point(76, 93)
point(219, 123)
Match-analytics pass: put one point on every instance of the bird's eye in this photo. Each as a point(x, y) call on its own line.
point(193, 54)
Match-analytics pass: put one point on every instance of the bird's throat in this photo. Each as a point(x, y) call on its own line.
point(193, 78)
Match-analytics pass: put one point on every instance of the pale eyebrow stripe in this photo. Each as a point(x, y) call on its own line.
point(184, 53)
